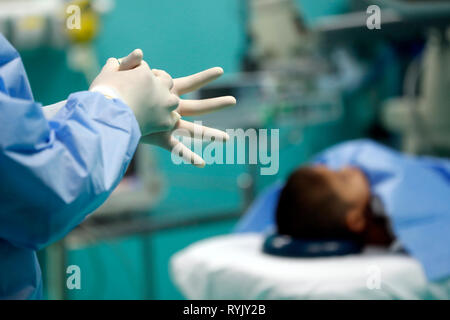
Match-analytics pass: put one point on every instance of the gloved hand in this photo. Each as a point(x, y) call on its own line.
point(181, 86)
point(146, 94)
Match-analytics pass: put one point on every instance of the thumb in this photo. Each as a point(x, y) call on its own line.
point(131, 61)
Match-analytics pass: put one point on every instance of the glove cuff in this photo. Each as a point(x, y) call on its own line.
point(107, 91)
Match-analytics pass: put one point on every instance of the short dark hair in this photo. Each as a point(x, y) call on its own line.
point(309, 207)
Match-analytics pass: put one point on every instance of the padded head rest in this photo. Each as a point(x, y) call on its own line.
point(286, 246)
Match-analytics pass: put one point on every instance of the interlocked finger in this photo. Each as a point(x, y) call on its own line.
point(196, 81)
point(184, 152)
point(198, 107)
point(131, 61)
point(196, 131)
point(164, 77)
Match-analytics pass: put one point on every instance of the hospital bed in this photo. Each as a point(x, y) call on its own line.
point(234, 267)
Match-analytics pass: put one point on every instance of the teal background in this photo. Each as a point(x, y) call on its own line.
point(181, 37)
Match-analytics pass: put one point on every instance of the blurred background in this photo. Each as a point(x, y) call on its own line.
point(312, 69)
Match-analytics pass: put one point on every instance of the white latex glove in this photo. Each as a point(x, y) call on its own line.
point(186, 107)
point(131, 61)
point(179, 87)
point(150, 98)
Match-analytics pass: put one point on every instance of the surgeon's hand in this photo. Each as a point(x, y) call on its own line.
point(185, 107)
point(147, 95)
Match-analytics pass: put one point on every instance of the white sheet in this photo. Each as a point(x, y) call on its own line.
point(233, 267)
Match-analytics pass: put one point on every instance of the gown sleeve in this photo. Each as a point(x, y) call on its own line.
point(53, 172)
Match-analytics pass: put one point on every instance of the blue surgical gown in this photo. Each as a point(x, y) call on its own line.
point(52, 172)
point(415, 192)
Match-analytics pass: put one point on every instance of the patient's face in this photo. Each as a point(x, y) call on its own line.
point(350, 183)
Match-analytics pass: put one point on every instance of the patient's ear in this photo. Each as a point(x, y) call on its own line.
point(355, 220)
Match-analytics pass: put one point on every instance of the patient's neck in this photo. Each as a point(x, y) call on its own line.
point(378, 231)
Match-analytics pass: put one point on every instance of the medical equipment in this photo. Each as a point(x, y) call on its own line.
point(234, 267)
point(58, 24)
point(423, 120)
point(286, 246)
point(30, 24)
point(421, 116)
point(265, 101)
point(276, 31)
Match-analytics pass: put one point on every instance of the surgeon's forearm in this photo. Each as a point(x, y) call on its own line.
point(70, 163)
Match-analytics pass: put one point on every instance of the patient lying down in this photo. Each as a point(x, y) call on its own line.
point(370, 194)
point(319, 203)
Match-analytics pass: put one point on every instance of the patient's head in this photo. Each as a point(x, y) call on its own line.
point(317, 202)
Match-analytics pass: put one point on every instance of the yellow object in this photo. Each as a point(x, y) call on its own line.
point(82, 22)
